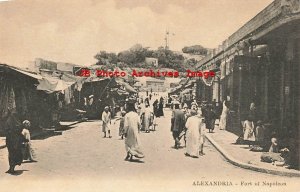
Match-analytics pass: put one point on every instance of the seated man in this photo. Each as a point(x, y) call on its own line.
point(275, 156)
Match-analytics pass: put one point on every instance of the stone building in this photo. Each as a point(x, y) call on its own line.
point(156, 85)
point(260, 63)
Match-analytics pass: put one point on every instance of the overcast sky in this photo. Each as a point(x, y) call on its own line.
point(75, 30)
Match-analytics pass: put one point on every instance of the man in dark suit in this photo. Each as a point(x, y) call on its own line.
point(177, 124)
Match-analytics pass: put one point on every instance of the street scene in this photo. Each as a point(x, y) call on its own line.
point(100, 164)
point(138, 98)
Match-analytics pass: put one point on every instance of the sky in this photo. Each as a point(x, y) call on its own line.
point(75, 30)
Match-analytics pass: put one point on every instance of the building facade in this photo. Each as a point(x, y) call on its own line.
point(260, 63)
point(155, 85)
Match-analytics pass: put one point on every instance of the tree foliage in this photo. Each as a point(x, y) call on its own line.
point(195, 50)
point(135, 57)
point(105, 58)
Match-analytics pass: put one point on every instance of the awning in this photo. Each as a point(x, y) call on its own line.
point(127, 87)
point(27, 73)
point(185, 83)
point(122, 92)
point(190, 83)
point(51, 85)
point(186, 91)
point(175, 90)
point(137, 84)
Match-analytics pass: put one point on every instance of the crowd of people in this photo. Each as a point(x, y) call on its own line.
point(189, 124)
point(135, 116)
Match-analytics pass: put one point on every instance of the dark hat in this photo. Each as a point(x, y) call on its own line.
point(193, 112)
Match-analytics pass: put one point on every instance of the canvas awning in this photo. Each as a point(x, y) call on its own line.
point(185, 83)
point(27, 73)
point(51, 85)
point(6, 67)
point(186, 91)
point(175, 89)
point(127, 87)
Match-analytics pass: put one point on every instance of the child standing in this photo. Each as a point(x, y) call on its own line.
point(121, 126)
point(260, 133)
point(27, 151)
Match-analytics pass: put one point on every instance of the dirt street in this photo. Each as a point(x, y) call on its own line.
point(80, 159)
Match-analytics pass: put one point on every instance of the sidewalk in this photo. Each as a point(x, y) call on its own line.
point(2, 142)
point(241, 156)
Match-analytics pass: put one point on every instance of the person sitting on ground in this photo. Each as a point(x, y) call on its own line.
point(274, 146)
point(279, 159)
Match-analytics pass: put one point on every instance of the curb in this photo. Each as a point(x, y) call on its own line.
point(76, 122)
point(2, 146)
point(41, 133)
point(238, 163)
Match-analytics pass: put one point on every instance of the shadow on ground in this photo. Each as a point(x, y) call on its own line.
point(47, 135)
point(17, 172)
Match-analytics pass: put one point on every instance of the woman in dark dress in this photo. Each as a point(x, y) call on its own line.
point(14, 141)
point(147, 102)
point(210, 118)
point(160, 111)
point(155, 107)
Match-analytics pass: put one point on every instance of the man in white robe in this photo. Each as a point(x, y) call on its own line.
point(106, 120)
point(194, 140)
point(131, 131)
point(223, 117)
point(147, 118)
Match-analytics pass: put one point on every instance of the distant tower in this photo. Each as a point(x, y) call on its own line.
point(167, 39)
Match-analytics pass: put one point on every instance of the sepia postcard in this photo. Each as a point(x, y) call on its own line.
point(149, 95)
